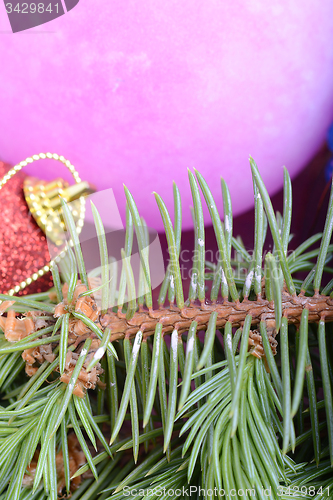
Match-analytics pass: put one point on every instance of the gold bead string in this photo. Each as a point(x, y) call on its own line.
point(14, 170)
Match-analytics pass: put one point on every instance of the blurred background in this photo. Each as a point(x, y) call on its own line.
point(136, 94)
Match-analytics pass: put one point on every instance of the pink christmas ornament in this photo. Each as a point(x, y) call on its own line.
point(137, 92)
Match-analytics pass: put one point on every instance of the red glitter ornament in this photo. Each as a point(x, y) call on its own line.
point(23, 246)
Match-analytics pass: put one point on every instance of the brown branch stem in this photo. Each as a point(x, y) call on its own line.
point(319, 306)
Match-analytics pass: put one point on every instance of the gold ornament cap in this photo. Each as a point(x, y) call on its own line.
point(43, 200)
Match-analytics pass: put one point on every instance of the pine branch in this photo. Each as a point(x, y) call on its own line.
point(220, 411)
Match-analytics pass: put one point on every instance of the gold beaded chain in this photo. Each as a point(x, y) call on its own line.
point(77, 179)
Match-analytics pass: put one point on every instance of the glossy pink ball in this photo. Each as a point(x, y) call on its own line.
point(137, 92)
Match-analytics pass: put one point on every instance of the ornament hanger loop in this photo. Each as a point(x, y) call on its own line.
point(40, 156)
